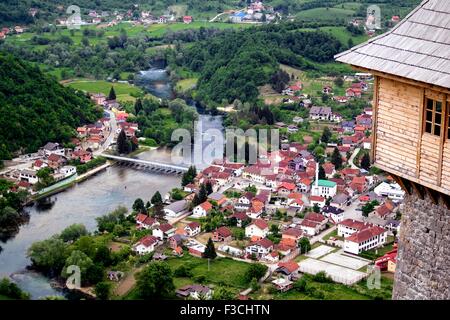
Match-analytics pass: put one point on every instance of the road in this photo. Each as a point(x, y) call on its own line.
point(222, 13)
point(355, 153)
point(112, 132)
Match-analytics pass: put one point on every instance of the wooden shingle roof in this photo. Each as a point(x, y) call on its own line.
point(418, 48)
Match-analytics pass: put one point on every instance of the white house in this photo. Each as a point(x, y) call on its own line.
point(146, 245)
point(349, 226)
point(145, 222)
point(195, 291)
point(175, 209)
point(253, 173)
point(29, 175)
point(164, 231)
point(317, 200)
point(202, 210)
point(68, 171)
point(260, 248)
point(366, 239)
point(258, 228)
point(335, 214)
point(192, 229)
point(393, 191)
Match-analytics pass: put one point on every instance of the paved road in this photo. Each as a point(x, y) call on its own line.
point(112, 132)
point(222, 13)
point(355, 153)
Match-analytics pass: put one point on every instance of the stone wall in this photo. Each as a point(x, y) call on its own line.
point(423, 261)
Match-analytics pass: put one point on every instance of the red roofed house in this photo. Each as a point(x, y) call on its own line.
point(260, 248)
point(313, 223)
point(286, 188)
point(143, 221)
point(222, 234)
point(187, 19)
point(358, 184)
point(366, 239)
point(164, 231)
point(388, 262)
point(329, 169)
point(55, 161)
point(146, 245)
point(202, 210)
point(291, 236)
point(193, 229)
point(288, 270)
point(350, 226)
point(240, 217)
point(385, 209)
point(82, 155)
point(353, 93)
point(320, 201)
point(258, 228)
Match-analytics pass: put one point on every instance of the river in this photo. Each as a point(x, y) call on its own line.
point(90, 199)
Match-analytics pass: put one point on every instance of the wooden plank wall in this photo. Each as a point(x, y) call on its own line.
point(398, 126)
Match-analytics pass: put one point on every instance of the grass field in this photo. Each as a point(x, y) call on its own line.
point(325, 14)
point(155, 30)
point(186, 84)
point(336, 291)
point(124, 92)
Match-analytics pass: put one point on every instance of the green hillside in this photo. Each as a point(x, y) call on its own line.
point(36, 109)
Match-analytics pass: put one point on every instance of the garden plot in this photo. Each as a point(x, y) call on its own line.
point(345, 261)
point(319, 252)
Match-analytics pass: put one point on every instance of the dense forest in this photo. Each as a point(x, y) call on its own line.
point(232, 65)
point(36, 109)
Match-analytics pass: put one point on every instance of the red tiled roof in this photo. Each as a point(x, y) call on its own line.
point(261, 224)
point(193, 225)
point(316, 198)
point(206, 205)
point(316, 217)
point(294, 232)
point(148, 241)
point(355, 224)
point(165, 227)
point(287, 185)
point(290, 266)
point(365, 234)
point(224, 232)
point(265, 243)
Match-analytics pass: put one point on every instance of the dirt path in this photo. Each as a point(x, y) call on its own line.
point(127, 283)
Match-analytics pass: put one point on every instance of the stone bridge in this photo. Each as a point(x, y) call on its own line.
point(147, 165)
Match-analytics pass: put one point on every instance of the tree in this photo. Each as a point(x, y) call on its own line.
point(155, 281)
point(73, 232)
point(365, 161)
point(139, 206)
point(138, 106)
point(157, 198)
point(326, 135)
point(188, 176)
point(316, 208)
point(123, 146)
point(304, 245)
point(81, 260)
point(210, 250)
point(48, 256)
point(158, 211)
point(339, 81)
point(10, 290)
point(336, 158)
point(209, 188)
point(255, 270)
point(202, 194)
point(223, 293)
point(103, 256)
point(112, 94)
point(322, 174)
point(102, 290)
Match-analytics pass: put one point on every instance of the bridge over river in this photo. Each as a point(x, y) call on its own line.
point(148, 165)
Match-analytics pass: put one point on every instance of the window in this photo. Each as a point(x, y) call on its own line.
point(448, 119)
point(433, 117)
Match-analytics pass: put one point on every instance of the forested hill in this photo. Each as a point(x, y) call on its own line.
point(35, 109)
point(233, 65)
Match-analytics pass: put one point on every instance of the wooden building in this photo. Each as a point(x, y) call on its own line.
point(411, 140)
point(411, 65)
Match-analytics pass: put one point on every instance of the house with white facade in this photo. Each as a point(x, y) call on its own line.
point(202, 210)
point(259, 248)
point(393, 191)
point(146, 245)
point(175, 209)
point(258, 228)
point(366, 239)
